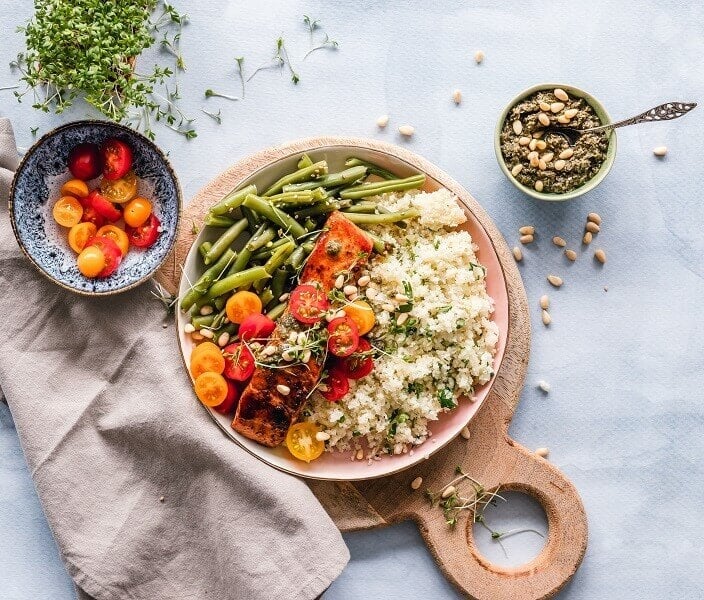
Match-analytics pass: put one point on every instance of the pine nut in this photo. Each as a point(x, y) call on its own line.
point(538, 134)
point(559, 165)
point(360, 454)
point(571, 255)
point(448, 491)
point(322, 436)
point(526, 239)
point(388, 307)
point(533, 144)
point(538, 186)
point(544, 119)
point(348, 290)
point(660, 151)
point(534, 162)
point(587, 239)
point(541, 145)
point(546, 318)
point(542, 165)
point(566, 153)
point(561, 94)
point(523, 140)
point(556, 107)
point(594, 218)
point(548, 156)
point(600, 255)
point(544, 386)
point(465, 433)
point(416, 483)
point(517, 127)
point(269, 351)
point(364, 280)
point(558, 241)
point(401, 298)
point(207, 333)
point(197, 337)
point(407, 130)
point(206, 310)
point(340, 281)
point(555, 280)
point(479, 56)
point(284, 390)
point(563, 120)
point(571, 113)
point(371, 293)
point(542, 452)
point(457, 96)
point(382, 121)
point(516, 169)
point(188, 328)
point(517, 254)
point(402, 318)
point(532, 155)
point(544, 106)
point(305, 357)
point(284, 297)
point(527, 230)
point(544, 302)
point(223, 339)
point(592, 227)
point(288, 355)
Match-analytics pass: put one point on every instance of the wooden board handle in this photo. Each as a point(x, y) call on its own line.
point(516, 468)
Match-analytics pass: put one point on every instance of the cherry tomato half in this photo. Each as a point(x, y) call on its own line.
point(121, 190)
point(90, 215)
point(84, 161)
point(113, 255)
point(337, 385)
point(358, 364)
point(256, 327)
point(308, 304)
point(117, 235)
point(343, 337)
point(230, 401)
point(67, 211)
point(79, 235)
point(239, 362)
point(302, 442)
point(117, 159)
point(103, 206)
point(144, 235)
point(91, 261)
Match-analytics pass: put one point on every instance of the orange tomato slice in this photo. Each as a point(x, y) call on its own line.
point(137, 211)
point(117, 235)
point(362, 315)
point(207, 358)
point(242, 304)
point(211, 388)
point(75, 188)
point(91, 261)
point(67, 211)
point(302, 443)
point(79, 235)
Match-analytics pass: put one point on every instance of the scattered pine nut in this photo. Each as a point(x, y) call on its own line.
point(363, 280)
point(526, 230)
point(517, 127)
point(517, 254)
point(558, 241)
point(542, 165)
point(544, 301)
point(544, 106)
point(360, 454)
point(207, 333)
point(538, 134)
point(571, 113)
point(555, 280)
point(402, 318)
point(563, 119)
point(516, 169)
point(559, 164)
point(407, 130)
point(448, 491)
point(416, 483)
point(340, 281)
point(223, 339)
point(284, 390)
point(556, 107)
point(571, 255)
point(197, 337)
point(479, 56)
point(541, 144)
point(594, 218)
point(348, 290)
point(524, 141)
point(322, 436)
point(457, 96)
point(587, 239)
point(533, 144)
point(206, 310)
point(566, 153)
point(561, 94)
point(548, 156)
point(543, 452)
point(660, 150)
point(188, 328)
point(538, 186)
point(544, 119)
point(526, 239)
point(382, 121)
point(600, 255)
point(547, 319)
point(592, 227)
point(544, 386)
point(465, 433)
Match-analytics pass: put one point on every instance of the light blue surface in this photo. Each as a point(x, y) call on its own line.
point(624, 417)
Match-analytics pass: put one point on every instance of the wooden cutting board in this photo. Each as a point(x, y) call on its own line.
point(489, 456)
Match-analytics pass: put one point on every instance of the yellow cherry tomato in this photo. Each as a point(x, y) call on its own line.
point(67, 211)
point(79, 235)
point(302, 443)
point(137, 211)
point(117, 235)
point(91, 261)
point(362, 315)
point(242, 304)
point(120, 190)
point(211, 388)
point(75, 188)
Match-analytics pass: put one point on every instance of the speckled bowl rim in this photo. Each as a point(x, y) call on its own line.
point(99, 123)
point(582, 189)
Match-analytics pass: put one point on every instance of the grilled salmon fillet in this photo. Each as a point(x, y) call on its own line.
point(263, 413)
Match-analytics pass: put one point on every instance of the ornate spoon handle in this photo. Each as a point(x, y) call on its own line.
point(662, 112)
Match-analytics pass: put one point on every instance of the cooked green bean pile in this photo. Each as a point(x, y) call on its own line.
point(281, 225)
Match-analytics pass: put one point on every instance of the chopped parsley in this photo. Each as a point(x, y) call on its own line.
point(446, 398)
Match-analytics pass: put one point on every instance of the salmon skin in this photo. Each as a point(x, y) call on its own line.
point(264, 414)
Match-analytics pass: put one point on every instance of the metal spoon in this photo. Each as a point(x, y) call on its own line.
point(663, 112)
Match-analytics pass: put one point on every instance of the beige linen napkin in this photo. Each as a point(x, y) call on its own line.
point(145, 497)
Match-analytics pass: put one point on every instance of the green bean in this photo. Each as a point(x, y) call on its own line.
point(346, 177)
point(314, 171)
point(259, 285)
point(232, 200)
point(229, 283)
point(308, 247)
point(296, 198)
point(277, 311)
point(363, 207)
point(201, 286)
point(371, 167)
point(383, 187)
point(203, 248)
point(265, 252)
point(305, 161)
point(230, 328)
point(278, 282)
point(219, 318)
point(359, 219)
point(253, 219)
point(219, 302)
point(240, 262)
point(273, 214)
point(261, 238)
point(200, 303)
point(279, 257)
point(297, 257)
point(378, 243)
point(266, 296)
point(321, 209)
point(310, 224)
point(225, 241)
point(200, 321)
point(218, 221)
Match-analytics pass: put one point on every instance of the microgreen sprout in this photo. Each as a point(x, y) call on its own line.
point(33, 131)
point(213, 94)
point(9, 87)
point(217, 117)
point(498, 535)
point(165, 297)
point(240, 71)
point(326, 43)
point(312, 25)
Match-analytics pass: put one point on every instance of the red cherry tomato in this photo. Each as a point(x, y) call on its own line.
point(112, 252)
point(144, 235)
point(117, 159)
point(337, 385)
point(256, 327)
point(358, 364)
point(239, 362)
point(90, 215)
point(307, 304)
point(343, 336)
point(103, 206)
point(84, 161)
point(230, 400)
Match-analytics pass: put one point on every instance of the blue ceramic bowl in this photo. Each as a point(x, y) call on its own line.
point(37, 185)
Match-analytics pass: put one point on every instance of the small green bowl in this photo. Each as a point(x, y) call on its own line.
point(585, 187)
